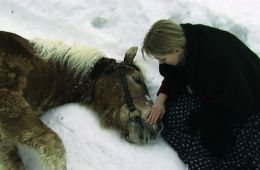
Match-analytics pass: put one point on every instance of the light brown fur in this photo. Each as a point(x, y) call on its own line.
point(30, 84)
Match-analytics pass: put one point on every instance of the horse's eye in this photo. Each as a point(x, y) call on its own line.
point(138, 80)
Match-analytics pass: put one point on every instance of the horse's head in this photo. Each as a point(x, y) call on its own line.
point(122, 99)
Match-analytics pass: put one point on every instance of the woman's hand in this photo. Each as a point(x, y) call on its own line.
point(157, 110)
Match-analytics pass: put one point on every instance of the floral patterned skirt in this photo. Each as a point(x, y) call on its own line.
point(244, 155)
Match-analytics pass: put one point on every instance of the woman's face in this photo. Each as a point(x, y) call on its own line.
point(172, 58)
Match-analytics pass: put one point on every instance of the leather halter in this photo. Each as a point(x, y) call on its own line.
point(121, 66)
point(128, 98)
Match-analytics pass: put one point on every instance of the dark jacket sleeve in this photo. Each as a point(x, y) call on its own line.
point(165, 87)
point(174, 80)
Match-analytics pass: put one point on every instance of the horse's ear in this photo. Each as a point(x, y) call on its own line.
point(130, 54)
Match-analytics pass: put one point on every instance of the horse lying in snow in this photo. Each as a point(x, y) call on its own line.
point(38, 75)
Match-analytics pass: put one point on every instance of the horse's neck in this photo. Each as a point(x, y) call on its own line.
point(57, 80)
point(47, 85)
point(77, 88)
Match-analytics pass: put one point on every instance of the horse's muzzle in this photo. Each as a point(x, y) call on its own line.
point(141, 132)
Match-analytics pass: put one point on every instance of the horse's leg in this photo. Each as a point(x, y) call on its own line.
point(34, 134)
point(19, 124)
point(9, 159)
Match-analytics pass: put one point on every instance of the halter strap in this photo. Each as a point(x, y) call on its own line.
point(128, 97)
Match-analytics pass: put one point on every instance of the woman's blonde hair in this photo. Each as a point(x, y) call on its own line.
point(163, 37)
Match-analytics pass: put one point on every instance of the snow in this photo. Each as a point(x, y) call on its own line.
point(113, 26)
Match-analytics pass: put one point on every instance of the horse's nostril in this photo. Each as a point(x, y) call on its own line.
point(139, 120)
point(160, 126)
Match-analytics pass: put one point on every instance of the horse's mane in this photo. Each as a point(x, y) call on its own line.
point(79, 58)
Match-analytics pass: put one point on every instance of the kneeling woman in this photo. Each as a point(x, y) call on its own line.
point(209, 99)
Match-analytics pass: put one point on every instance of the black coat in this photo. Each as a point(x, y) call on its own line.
point(216, 65)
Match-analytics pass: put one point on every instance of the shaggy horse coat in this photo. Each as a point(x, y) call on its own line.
point(37, 75)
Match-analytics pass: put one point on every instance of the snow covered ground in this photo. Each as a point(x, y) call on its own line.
point(112, 26)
